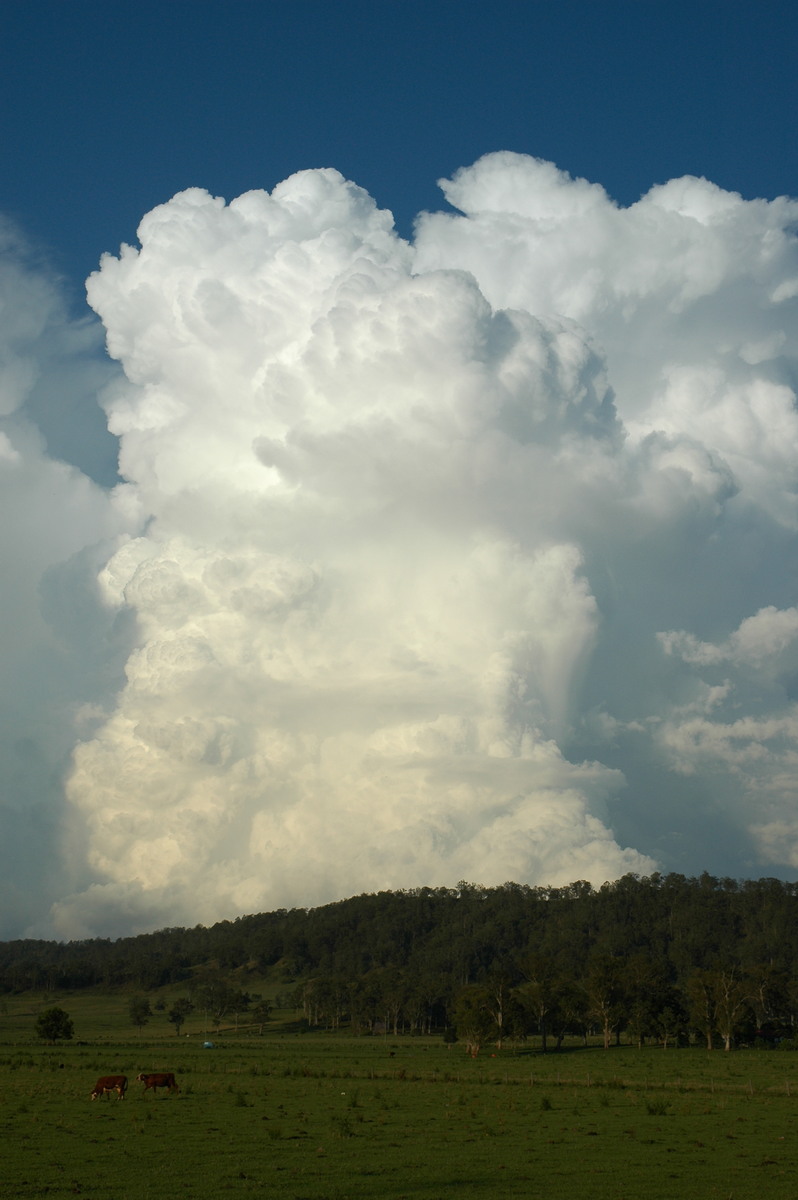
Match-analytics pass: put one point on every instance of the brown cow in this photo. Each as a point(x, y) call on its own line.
point(164, 1080)
point(110, 1083)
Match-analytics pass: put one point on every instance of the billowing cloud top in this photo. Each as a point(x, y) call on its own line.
point(469, 558)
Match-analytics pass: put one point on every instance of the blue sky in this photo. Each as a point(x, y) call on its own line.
point(108, 109)
point(345, 552)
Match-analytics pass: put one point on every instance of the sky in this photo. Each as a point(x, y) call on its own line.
point(398, 451)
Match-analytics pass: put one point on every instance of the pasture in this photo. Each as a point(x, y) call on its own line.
point(313, 1116)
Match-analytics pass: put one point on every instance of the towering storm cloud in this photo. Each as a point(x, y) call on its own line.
point(471, 558)
point(58, 650)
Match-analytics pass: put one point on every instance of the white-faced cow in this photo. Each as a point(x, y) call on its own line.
point(110, 1083)
point(163, 1080)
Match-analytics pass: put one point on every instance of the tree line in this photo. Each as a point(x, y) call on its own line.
point(665, 957)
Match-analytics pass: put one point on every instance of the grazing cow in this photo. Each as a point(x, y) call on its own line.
point(110, 1083)
point(164, 1080)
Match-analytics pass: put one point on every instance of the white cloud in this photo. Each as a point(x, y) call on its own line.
point(681, 292)
point(53, 536)
point(404, 525)
point(359, 620)
point(768, 640)
point(745, 731)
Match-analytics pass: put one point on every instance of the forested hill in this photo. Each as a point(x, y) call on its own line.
point(458, 936)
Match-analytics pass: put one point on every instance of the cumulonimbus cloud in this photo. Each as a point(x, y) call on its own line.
point(58, 650)
point(431, 546)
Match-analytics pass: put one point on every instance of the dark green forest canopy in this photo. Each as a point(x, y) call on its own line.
point(459, 935)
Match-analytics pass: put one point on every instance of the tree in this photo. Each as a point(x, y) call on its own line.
point(517, 1017)
point(239, 1002)
point(769, 998)
point(497, 996)
point(54, 1025)
point(365, 1000)
point(261, 1013)
point(731, 1004)
point(427, 1001)
point(472, 1021)
point(140, 1011)
point(217, 998)
point(671, 1021)
point(700, 993)
point(178, 1012)
point(391, 991)
point(539, 993)
point(647, 994)
point(605, 994)
point(571, 1013)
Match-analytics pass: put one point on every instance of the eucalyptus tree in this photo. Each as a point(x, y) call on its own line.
point(472, 1020)
point(606, 994)
point(178, 1012)
point(139, 1011)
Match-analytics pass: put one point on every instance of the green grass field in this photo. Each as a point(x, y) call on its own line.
point(319, 1117)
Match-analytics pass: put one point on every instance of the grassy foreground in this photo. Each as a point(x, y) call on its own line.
point(315, 1117)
